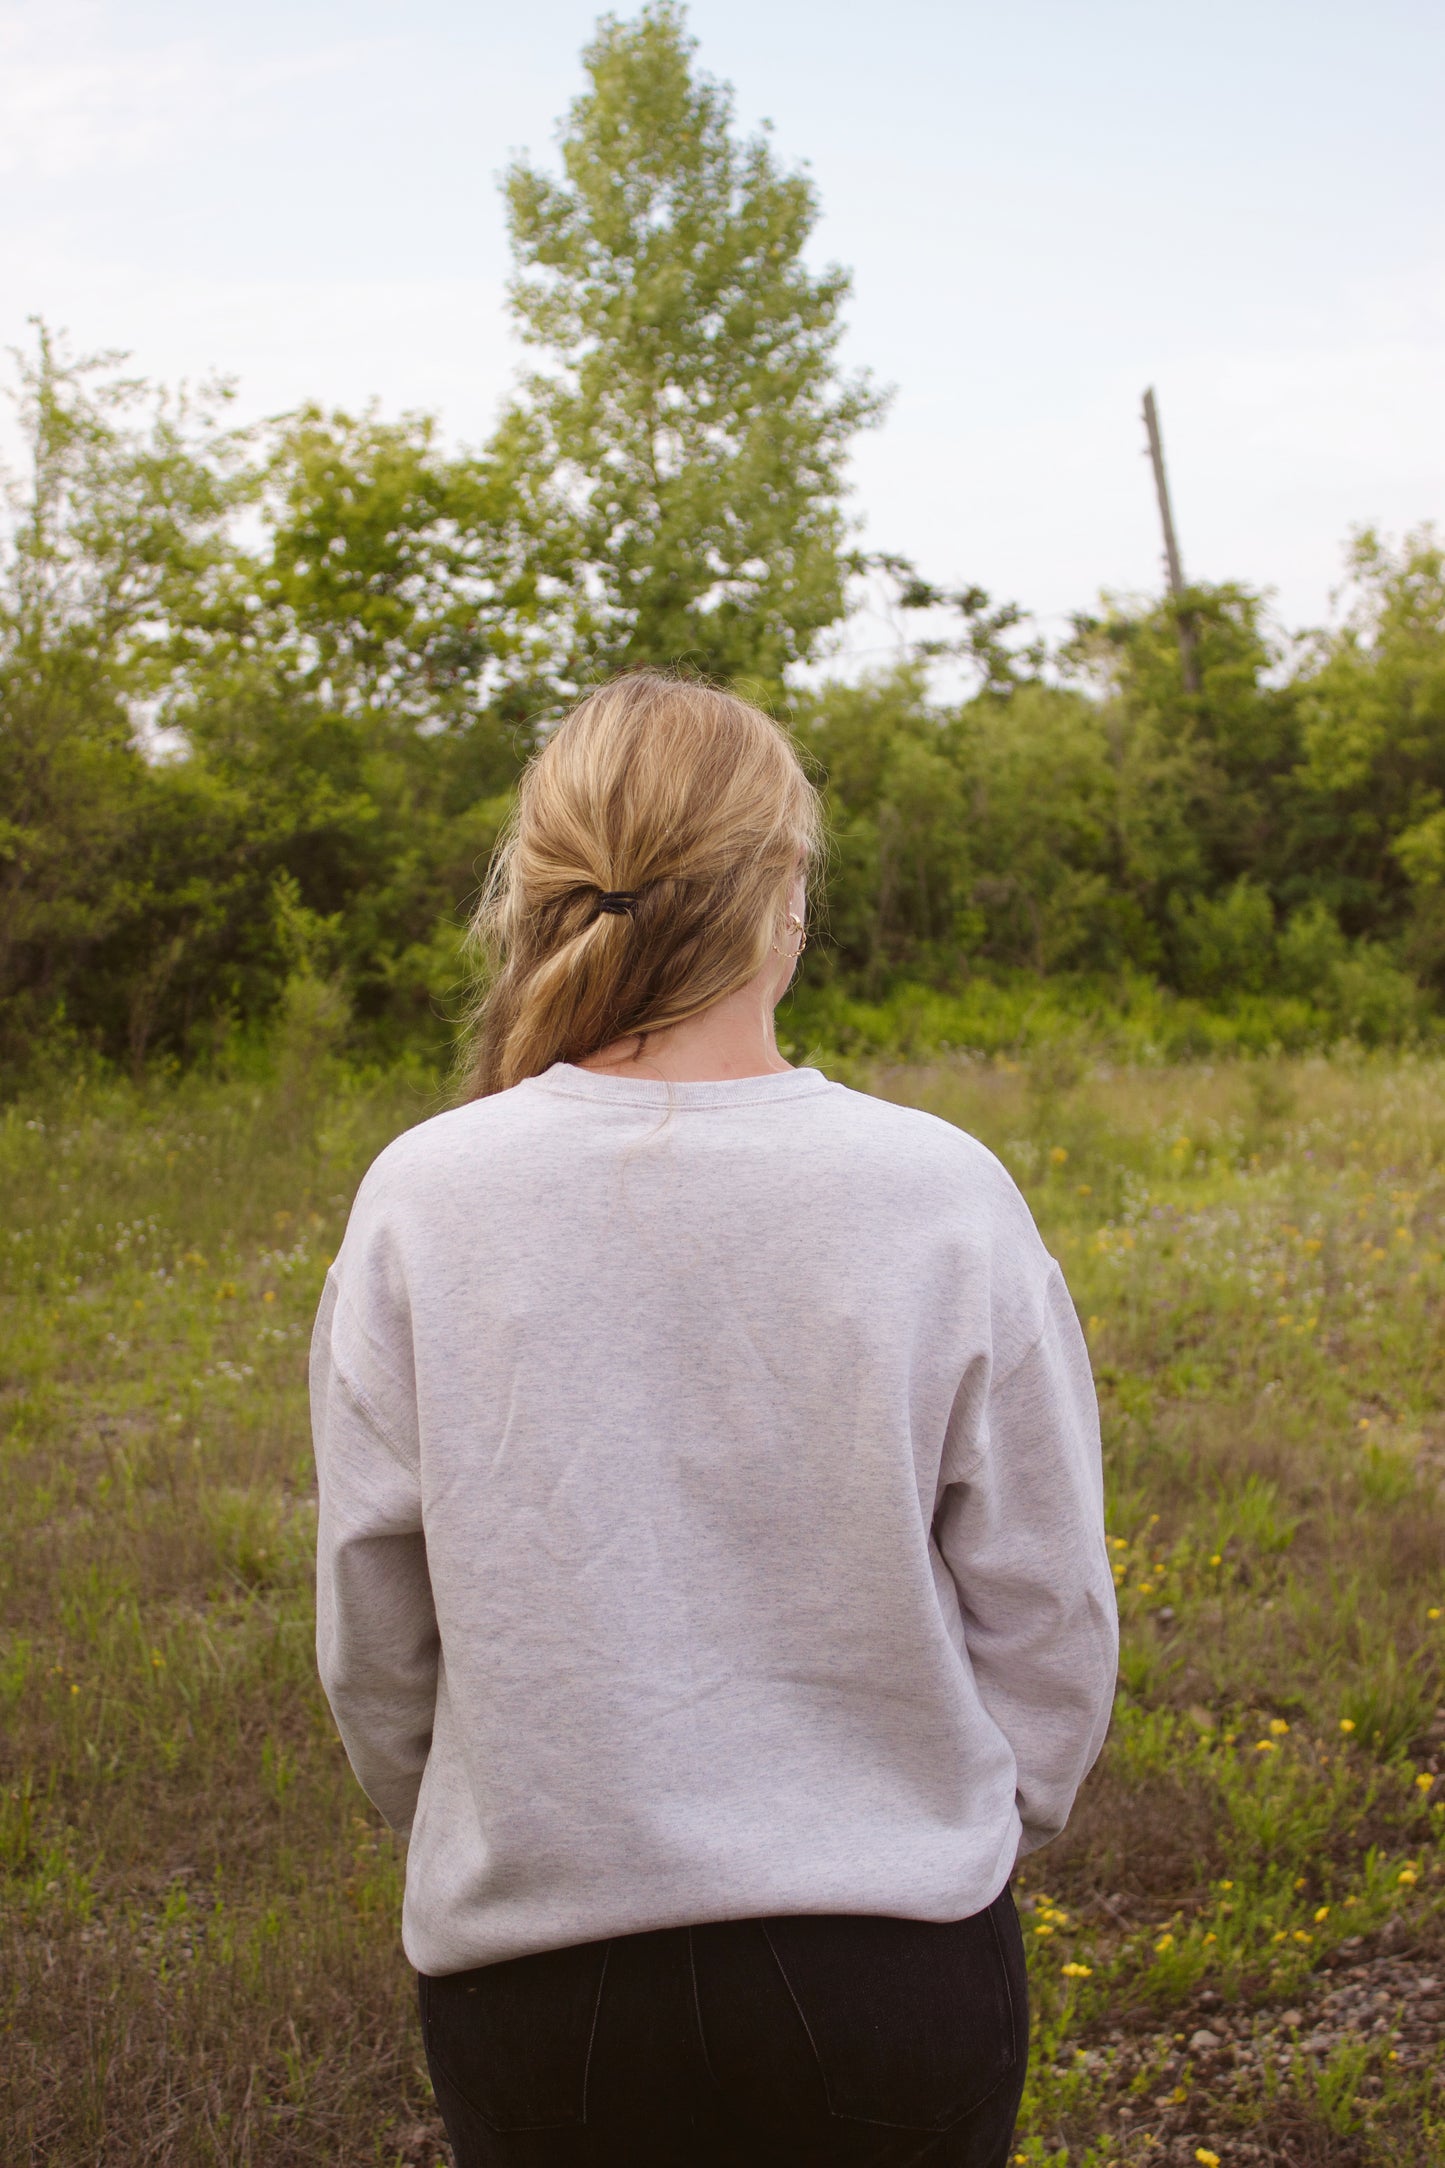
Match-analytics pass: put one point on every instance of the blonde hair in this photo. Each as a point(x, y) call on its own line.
point(690, 798)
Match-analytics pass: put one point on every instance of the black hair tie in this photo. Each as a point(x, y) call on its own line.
point(618, 902)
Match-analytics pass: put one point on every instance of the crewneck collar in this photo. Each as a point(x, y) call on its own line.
point(567, 1081)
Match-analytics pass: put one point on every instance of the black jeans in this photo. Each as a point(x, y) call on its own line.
point(810, 2041)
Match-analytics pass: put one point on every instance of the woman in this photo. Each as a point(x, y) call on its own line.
point(712, 1578)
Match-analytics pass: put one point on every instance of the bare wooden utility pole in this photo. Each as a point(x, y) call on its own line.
point(1183, 620)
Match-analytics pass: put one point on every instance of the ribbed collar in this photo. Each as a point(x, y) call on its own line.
point(569, 1082)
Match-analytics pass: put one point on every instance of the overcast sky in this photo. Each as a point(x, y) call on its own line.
point(1046, 205)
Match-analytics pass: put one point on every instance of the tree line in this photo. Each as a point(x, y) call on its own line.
point(265, 692)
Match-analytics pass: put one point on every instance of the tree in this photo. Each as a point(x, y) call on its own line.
point(1371, 780)
point(197, 736)
point(681, 450)
point(390, 579)
point(363, 681)
point(901, 856)
point(116, 527)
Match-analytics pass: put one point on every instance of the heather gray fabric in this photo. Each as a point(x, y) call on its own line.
point(711, 1517)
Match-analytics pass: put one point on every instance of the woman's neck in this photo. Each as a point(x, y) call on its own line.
point(734, 1038)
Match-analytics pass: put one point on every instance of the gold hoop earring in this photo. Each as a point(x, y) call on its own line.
point(794, 922)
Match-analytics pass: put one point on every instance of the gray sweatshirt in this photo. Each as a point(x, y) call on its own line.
point(710, 1513)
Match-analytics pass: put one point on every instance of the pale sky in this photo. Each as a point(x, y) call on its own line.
point(1046, 205)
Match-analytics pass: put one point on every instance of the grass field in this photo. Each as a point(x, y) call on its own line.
point(1238, 1948)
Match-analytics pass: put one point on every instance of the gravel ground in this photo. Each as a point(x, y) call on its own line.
point(1164, 2095)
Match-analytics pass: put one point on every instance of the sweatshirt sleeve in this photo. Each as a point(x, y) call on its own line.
point(1022, 1533)
point(376, 1632)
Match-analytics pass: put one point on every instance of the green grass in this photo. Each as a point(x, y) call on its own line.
point(200, 1958)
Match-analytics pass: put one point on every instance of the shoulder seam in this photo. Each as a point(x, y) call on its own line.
point(374, 1423)
point(357, 1393)
point(1055, 1272)
point(996, 1384)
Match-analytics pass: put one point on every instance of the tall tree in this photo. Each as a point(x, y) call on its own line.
point(682, 445)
